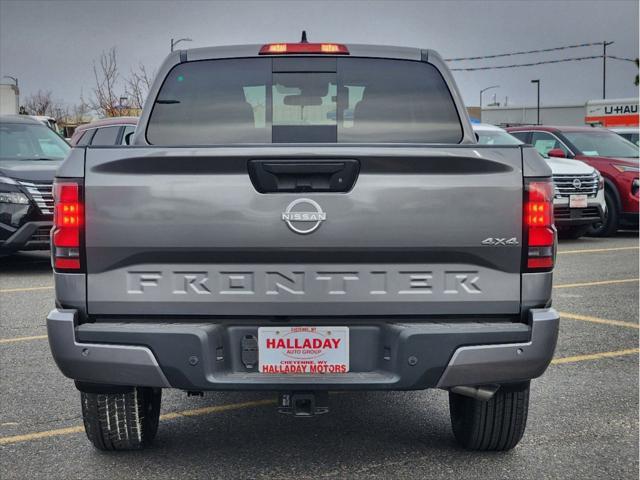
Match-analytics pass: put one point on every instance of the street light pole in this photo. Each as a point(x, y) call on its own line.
point(175, 42)
point(605, 44)
point(481, 92)
point(537, 82)
point(12, 78)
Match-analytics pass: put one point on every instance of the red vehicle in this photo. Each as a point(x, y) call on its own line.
point(615, 158)
point(108, 131)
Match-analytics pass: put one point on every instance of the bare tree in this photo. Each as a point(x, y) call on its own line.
point(138, 85)
point(80, 111)
point(42, 103)
point(59, 111)
point(105, 101)
point(39, 103)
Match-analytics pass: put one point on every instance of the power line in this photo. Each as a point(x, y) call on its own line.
point(499, 55)
point(518, 65)
point(622, 58)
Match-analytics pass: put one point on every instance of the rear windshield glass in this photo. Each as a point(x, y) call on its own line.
point(355, 100)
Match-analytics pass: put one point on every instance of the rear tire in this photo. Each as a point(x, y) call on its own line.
point(609, 225)
point(493, 425)
point(121, 421)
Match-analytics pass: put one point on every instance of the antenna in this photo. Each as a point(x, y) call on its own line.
point(304, 37)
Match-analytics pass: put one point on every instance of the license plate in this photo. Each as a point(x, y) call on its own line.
point(303, 350)
point(577, 201)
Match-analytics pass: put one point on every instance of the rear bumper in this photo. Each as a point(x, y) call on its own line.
point(162, 355)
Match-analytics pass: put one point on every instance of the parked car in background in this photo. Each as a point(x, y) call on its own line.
point(108, 131)
point(30, 153)
point(578, 200)
point(488, 134)
point(630, 133)
point(47, 121)
point(614, 157)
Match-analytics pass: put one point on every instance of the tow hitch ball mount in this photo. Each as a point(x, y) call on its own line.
point(303, 404)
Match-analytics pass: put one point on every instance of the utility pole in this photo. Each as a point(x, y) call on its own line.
point(538, 107)
point(605, 44)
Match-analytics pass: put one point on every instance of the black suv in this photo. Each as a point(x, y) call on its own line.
point(30, 153)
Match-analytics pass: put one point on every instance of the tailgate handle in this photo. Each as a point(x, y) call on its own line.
point(273, 176)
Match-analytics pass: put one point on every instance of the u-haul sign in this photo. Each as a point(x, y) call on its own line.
point(612, 113)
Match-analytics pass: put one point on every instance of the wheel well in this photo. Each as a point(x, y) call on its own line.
point(610, 187)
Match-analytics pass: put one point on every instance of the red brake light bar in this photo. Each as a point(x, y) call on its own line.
point(67, 225)
point(301, 48)
point(538, 220)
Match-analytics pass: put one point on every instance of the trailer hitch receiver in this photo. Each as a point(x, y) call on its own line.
point(303, 404)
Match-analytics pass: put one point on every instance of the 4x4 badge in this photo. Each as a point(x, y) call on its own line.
point(496, 242)
point(296, 217)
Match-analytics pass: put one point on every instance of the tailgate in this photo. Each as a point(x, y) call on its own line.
point(185, 231)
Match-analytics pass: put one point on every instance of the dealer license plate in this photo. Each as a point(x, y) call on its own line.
point(577, 201)
point(303, 350)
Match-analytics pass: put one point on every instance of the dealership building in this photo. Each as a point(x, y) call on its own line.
point(550, 115)
point(610, 112)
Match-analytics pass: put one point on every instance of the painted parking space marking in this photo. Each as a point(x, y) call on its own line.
point(595, 356)
point(28, 437)
point(26, 289)
point(22, 339)
point(594, 284)
point(595, 250)
point(604, 321)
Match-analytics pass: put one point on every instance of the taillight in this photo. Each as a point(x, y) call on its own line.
point(68, 218)
point(538, 222)
point(301, 48)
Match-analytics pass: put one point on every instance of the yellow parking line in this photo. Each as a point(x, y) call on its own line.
point(257, 403)
point(591, 356)
point(596, 250)
point(604, 321)
point(167, 416)
point(215, 409)
point(38, 435)
point(22, 339)
point(26, 289)
point(593, 284)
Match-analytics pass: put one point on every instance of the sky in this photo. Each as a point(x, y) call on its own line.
point(51, 45)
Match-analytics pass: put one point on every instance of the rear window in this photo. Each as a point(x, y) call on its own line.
point(302, 100)
point(85, 138)
point(106, 136)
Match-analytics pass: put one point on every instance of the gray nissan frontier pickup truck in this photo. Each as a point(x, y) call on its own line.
point(303, 218)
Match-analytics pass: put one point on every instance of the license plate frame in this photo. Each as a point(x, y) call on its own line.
point(578, 201)
point(303, 350)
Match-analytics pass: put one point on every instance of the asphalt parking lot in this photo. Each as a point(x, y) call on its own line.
point(583, 420)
